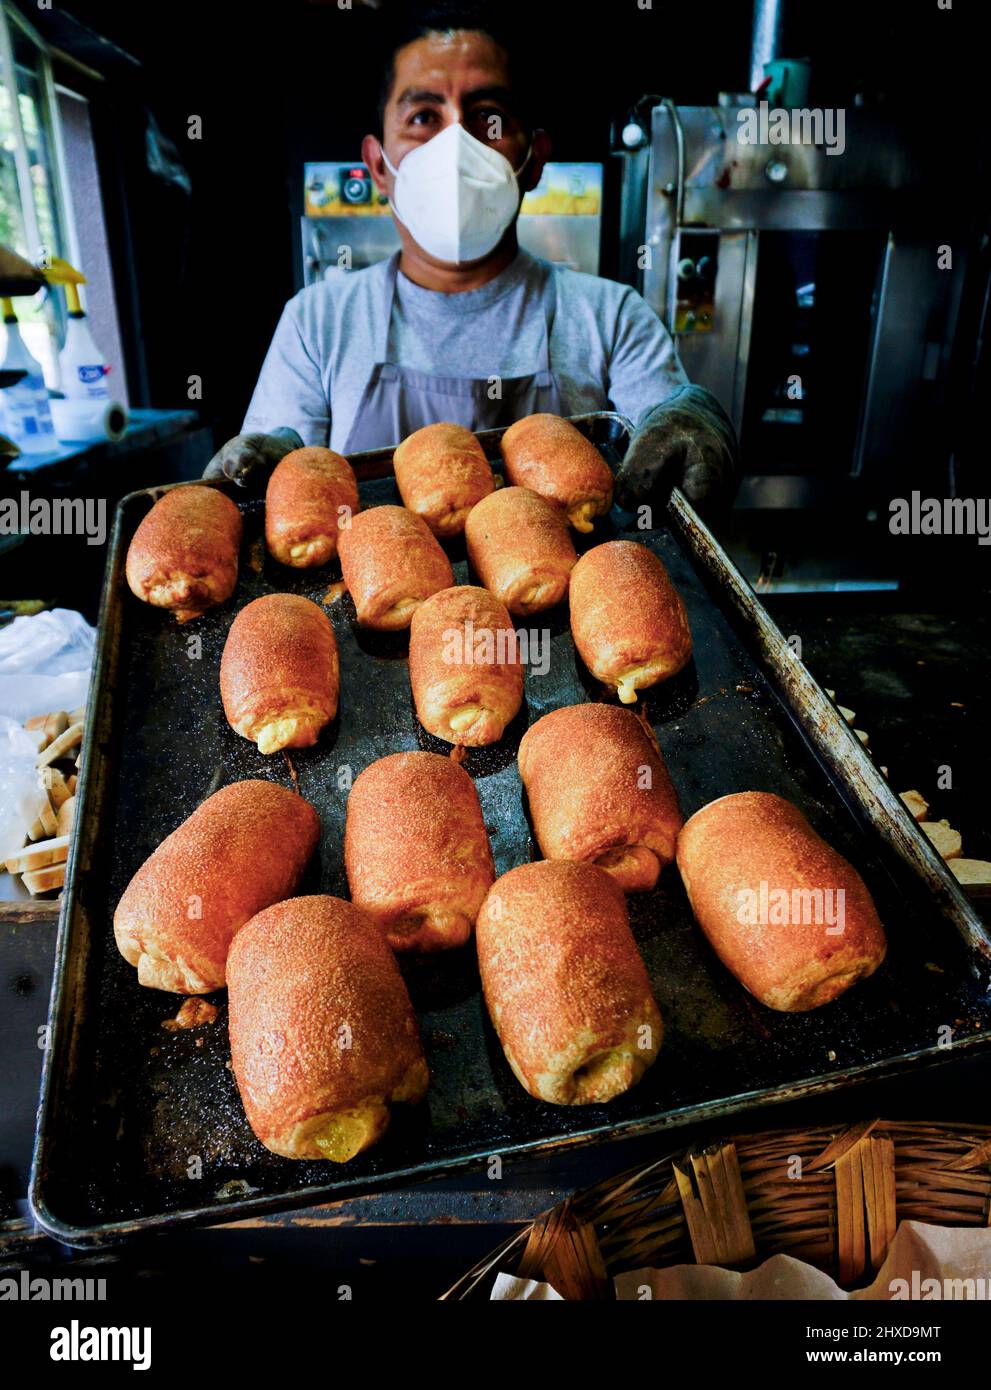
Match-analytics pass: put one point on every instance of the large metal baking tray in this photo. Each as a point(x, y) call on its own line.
point(141, 1128)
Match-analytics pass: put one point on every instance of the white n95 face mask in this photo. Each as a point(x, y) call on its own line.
point(455, 196)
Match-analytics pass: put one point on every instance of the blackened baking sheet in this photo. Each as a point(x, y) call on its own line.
point(142, 1127)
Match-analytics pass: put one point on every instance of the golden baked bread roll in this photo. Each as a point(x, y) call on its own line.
point(323, 1036)
point(244, 848)
point(416, 850)
point(464, 666)
point(279, 674)
point(627, 618)
point(520, 547)
point(183, 555)
point(564, 983)
point(599, 791)
point(549, 455)
point(785, 913)
point(391, 563)
point(311, 496)
point(441, 471)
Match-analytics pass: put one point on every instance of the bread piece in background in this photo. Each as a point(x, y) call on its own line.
point(416, 850)
point(918, 806)
point(973, 875)
point(244, 848)
point(627, 618)
point(38, 855)
point(311, 495)
point(323, 1034)
point(45, 880)
point(62, 746)
point(599, 791)
point(66, 816)
point(520, 547)
point(947, 841)
point(442, 472)
point(464, 666)
point(183, 555)
point(564, 984)
point(752, 849)
point(551, 456)
point(391, 562)
point(55, 787)
point(280, 672)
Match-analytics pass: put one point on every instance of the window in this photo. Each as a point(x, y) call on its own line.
point(33, 216)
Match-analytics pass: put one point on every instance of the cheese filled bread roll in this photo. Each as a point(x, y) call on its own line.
point(441, 471)
point(549, 455)
point(279, 674)
point(311, 495)
point(599, 792)
point(520, 547)
point(784, 912)
point(323, 1037)
point(244, 848)
point(391, 563)
point(464, 666)
point(627, 618)
point(183, 555)
point(416, 850)
point(565, 986)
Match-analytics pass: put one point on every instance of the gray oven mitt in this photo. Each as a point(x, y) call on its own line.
point(246, 454)
point(687, 442)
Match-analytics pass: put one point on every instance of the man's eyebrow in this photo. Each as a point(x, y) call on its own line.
point(414, 95)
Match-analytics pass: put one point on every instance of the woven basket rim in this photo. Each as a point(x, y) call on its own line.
point(831, 1194)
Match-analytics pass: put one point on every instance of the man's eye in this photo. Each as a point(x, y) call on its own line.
point(424, 117)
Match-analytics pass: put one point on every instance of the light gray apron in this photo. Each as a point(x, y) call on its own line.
point(396, 401)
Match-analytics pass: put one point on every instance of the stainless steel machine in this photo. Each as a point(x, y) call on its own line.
point(807, 283)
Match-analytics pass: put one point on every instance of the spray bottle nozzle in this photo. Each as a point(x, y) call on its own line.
point(59, 272)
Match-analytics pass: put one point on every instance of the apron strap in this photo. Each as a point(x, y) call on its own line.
point(548, 297)
point(388, 295)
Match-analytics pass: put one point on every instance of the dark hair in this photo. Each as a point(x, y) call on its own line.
point(408, 22)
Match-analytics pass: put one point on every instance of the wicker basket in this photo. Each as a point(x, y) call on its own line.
point(829, 1196)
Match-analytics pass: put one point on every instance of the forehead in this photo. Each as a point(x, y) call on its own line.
point(446, 63)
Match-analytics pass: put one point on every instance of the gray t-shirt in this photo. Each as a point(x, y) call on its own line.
point(608, 349)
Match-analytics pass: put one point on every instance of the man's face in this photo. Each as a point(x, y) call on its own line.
point(449, 79)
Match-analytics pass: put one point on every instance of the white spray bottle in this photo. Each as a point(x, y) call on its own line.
point(81, 363)
point(27, 415)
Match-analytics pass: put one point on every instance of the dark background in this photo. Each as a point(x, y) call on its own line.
point(202, 279)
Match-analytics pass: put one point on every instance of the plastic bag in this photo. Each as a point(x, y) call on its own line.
point(45, 663)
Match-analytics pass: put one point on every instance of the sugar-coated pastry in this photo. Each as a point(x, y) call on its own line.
point(520, 547)
point(391, 563)
point(551, 456)
point(599, 791)
point(416, 850)
point(279, 674)
point(244, 848)
point(183, 555)
point(627, 618)
point(565, 986)
point(441, 471)
point(311, 496)
point(464, 666)
point(323, 1036)
point(791, 918)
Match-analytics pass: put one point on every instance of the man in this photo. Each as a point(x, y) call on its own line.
point(462, 325)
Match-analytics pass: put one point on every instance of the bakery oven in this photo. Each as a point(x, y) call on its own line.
point(803, 280)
